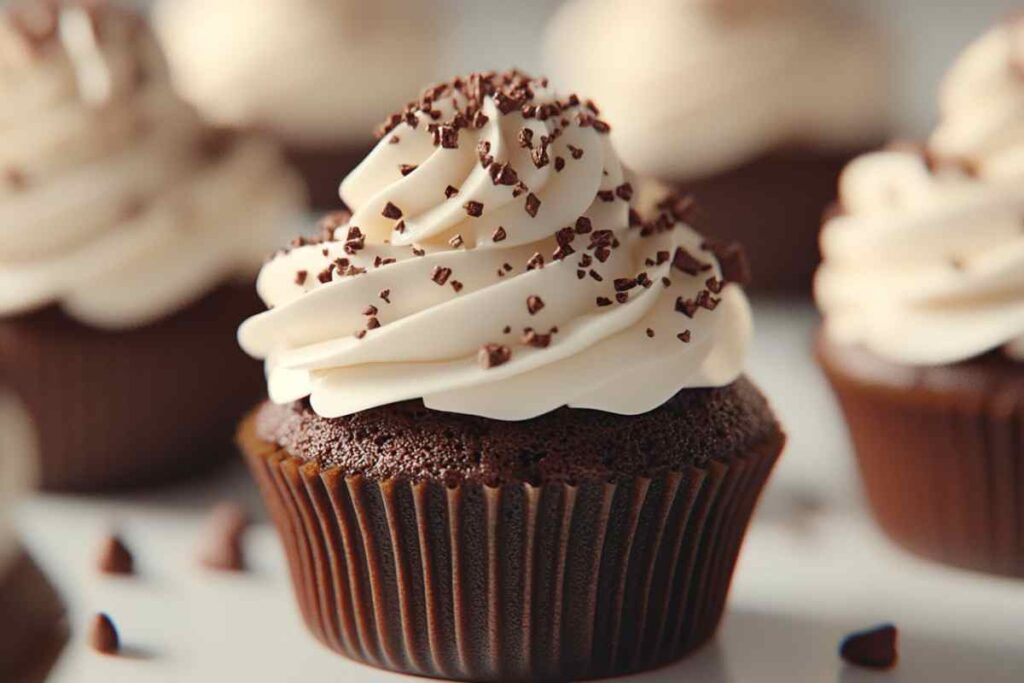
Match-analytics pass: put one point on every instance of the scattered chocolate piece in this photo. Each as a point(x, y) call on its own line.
point(559, 164)
point(406, 169)
point(450, 192)
point(534, 303)
point(714, 285)
point(499, 234)
point(493, 355)
point(372, 323)
point(576, 152)
point(370, 310)
point(221, 547)
point(606, 195)
point(686, 262)
point(457, 286)
point(650, 333)
point(455, 242)
point(525, 138)
point(533, 338)
point(400, 227)
point(583, 225)
point(536, 262)
point(622, 297)
point(300, 277)
point(604, 301)
point(732, 259)
point(115, 558)
point(532, 205)
point(103, 635)
point(596, 275)
point(474, 208)
point(448, 137)
point(507, 329)
point(684, 336)
point(873, 648)
point(623, 284)
point(503, 174)
point(540, 157)
point(624, 191)
point(686, 306)
point(391, 211)
point(440, 274)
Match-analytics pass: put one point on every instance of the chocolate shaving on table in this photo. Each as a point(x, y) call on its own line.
point(221, 542)
point(114, 557)
point(103, 636)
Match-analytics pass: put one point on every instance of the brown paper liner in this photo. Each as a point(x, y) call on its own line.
point(123, 409)
point(33, 626)
point(942, 462)
point(516, 582)
point(773, 205)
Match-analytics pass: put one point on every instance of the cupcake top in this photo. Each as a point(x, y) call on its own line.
point(314, 72)
point(499, 262)
point(924, 265)
point(695, 87)
point(15, 470)
point(115, 201)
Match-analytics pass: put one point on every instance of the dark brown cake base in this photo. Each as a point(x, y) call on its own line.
point(33, 627)
point(124, 409)
point(941, 451)
point(610, 552)
point(773, 206)
point(323, 169)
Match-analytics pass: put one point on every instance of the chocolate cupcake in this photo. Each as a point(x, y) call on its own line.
point(127, 233)
point(368, 55)
point(508, 435)
point(922, 289)
point(753, 106)
point(32, 620)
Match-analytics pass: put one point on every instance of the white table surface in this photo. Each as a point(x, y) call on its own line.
point(813, 568)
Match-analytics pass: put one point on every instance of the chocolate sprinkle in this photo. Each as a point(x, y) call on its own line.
point(684, 336)
point(499, 235)
point(534, 303)
point(604, 301)
point(732, 259)
point(457, 286)
point(406, 169)
point(686, 262)
point(300, 277)
point(385, 294)
point(455, 242)
point(370, 310)
point(533, 338)
point(373, 323)
point(650, 333)
point(391, 211)
point(441, 274)
point(474, 208)
point(559, 164)
point(103, 637)
point(115, 558)
point(874, 648)
point(450, 192)
point(532, 205)
point(493, 355)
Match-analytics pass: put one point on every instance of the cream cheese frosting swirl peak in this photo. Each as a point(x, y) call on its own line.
point(925, 265)
point(498, 262)
point(116, 202)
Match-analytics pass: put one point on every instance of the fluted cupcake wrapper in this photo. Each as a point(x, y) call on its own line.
point(121, 409)
point(942, 463)
point(33, 626)
point(517, 582)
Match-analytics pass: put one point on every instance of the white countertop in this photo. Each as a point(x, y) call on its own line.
point(813, 568)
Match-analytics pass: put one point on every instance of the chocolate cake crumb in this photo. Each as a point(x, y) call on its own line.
point(115, 558)
point(874, 648)
point(221, 542)
point(103, 636)
point(493, 355)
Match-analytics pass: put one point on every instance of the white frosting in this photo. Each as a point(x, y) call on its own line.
point(110, 206)
point(693, 87)
point(429, 337)
point(927, 267)
point(312, 71)
point(17, 455)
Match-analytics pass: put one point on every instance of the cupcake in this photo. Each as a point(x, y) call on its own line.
point(754, 106)
point(127, 233)
point(32, 618)
point(508, 435)
point(922, 290)
point(249, 66)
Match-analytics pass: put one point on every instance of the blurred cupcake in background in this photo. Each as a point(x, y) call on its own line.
point(752, 105)
point(318, 75)
point(128, 232)
point(32, 620)
point(922, 288)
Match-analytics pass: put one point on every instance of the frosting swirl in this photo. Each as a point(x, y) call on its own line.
point(753, 76)
point(115, 201)
point(498, 263)
point(368, 54)
point(926, 263)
